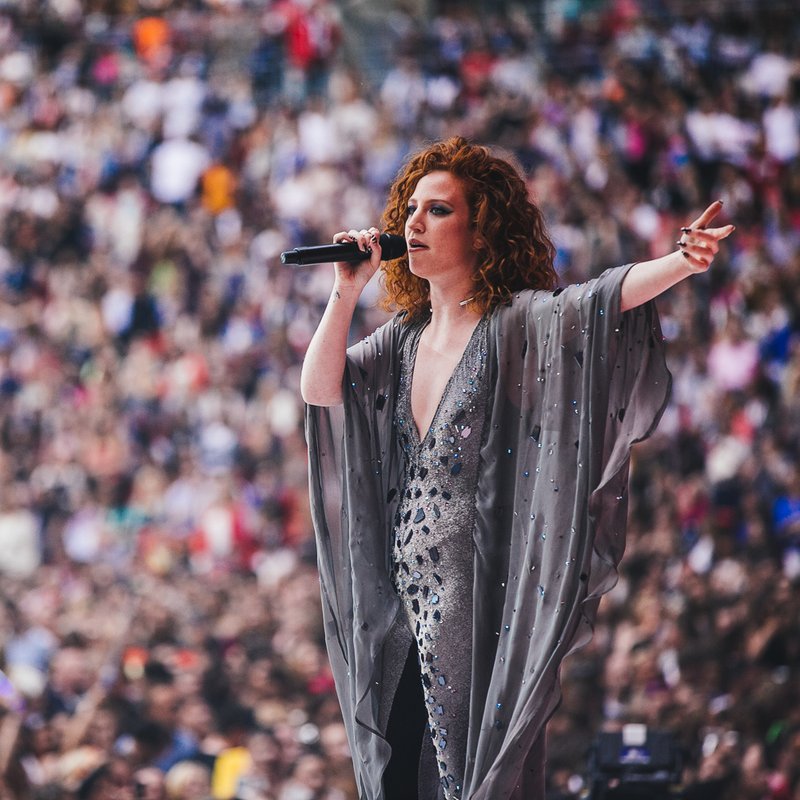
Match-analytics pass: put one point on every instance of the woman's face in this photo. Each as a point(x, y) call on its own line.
point(438, 230)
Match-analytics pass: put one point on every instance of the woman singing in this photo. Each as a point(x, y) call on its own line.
point(469, 466)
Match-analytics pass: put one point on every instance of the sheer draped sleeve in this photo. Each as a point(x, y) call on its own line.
point(577, 384)
point(354, 475)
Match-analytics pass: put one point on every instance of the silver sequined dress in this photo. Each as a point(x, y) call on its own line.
point(433, 549)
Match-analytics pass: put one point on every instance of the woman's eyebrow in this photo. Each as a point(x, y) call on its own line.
point(432, 200)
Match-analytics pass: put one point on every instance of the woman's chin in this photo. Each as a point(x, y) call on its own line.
point(417, 266)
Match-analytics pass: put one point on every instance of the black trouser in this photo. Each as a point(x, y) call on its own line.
point(405, 732)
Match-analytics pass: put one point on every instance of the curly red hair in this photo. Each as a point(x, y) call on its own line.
point(514, 250)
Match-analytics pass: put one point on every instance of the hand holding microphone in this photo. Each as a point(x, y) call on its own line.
point(347, 248)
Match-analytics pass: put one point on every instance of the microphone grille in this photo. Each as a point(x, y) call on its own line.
point(392, 246)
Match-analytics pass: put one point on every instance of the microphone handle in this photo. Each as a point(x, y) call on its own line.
point(325, 254)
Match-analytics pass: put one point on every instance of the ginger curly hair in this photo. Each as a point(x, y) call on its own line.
point(514, 250)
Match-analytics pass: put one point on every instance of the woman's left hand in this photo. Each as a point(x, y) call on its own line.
point(699, 243)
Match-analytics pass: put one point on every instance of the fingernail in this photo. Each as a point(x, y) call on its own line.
point(721, 202)
point(681, 244)
point(686, 230)
point(684, 254)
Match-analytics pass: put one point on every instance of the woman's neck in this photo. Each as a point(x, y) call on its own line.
point(450, 304)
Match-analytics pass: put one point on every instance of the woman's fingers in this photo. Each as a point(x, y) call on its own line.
point(707, 235)
point(705, 218)
point(708, 239)
point(368, 241)
point(700, 246)
point(699, 243)
point(366, 238)
point(341, 236)
point(698, 254)
point(374, 246)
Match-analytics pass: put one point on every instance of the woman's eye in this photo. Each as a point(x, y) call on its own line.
point(438, 211)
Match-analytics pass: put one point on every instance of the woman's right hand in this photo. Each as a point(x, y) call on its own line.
point(356, 276)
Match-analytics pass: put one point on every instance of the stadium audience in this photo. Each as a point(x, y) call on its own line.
point(160, 624)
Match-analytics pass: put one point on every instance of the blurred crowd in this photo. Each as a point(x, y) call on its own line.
point(160, 634)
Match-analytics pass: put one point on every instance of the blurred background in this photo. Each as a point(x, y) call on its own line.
point(159, 623)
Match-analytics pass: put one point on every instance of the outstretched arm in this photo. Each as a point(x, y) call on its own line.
point(698, 246)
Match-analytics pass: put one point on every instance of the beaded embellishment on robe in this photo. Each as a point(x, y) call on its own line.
point(432, 551)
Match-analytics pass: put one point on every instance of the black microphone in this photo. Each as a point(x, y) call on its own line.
point(392, 246)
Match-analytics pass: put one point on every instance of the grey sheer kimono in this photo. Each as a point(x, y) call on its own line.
point(573, 384)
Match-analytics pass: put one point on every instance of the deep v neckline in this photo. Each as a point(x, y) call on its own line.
point(412, 366)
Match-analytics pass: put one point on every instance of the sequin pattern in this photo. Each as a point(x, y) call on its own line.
point(432, 551)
